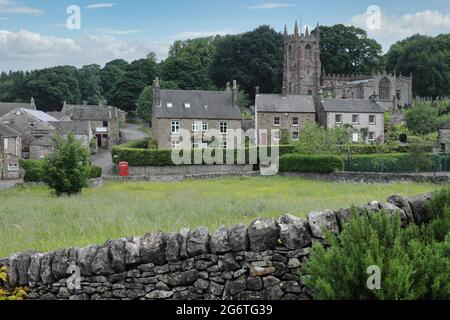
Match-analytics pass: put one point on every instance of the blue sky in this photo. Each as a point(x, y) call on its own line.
point(33, 33)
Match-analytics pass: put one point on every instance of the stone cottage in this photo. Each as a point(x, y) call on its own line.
point(444, 137)
point(364, 117)
point(6, 107)
point(34, 122)
point(10, 152)
point(278, 114)
point(197, 112)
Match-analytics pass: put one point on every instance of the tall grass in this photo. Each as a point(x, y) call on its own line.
point(32, 219)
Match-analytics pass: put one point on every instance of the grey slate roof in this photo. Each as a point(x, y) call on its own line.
point(45, 141)
point(351, 106)
point(76, 127)
point(27, 138)
point(92, 113)
point(7, 131)
point(219, 105)
point(289, 103)
point(6, 107)
point(56, 114)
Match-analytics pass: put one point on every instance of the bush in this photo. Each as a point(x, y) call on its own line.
point(310, 164)
point(413, 261)
point(7, 293)
point(96, 172)
point(34, 170)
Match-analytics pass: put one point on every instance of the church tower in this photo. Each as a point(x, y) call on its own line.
point(302, 66)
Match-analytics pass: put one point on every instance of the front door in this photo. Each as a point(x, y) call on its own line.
point(99, 140)
point(263, 139)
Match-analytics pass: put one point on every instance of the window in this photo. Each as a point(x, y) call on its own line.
point(338, 118)
point(276, 121)
point(385, 89)
point(355, 119)
point(276, 136)
point(105, 124)
point(372, 119)
point(175, 127)
point(308, 52)
point(295, 136)
point(399, 95)
point(224, 127)
point(169, 105)
point(195, 126)
point(5, 143)
point(309, 92)
point(176, 145)
point(371, 136)
point(187, 105)
point(355, 137)
point(31, 124)
point(13, 167)
point(205, 126)
point(295, 122)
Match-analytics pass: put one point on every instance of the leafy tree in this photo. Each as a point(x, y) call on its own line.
point(253, 58)
point(145, 104)
point(109, 76)
point(89, 82)
point(315, 139)
point(189, 63)
point(348, 50)
point(67, 168)
point(428, 59)
point(422, 119)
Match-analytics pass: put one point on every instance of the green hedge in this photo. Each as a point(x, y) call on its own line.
point(34, 170)
point(376, 149)
point(96, 172)
point(163, 157)
point(311, 163)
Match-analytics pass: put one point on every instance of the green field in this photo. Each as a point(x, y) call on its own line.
point(32, 219)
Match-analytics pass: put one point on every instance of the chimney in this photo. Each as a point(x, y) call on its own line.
point(228, 87)
point(256, 90)
point(284, 91)
point(32, 103)
point(156, 93)
point(235, 94)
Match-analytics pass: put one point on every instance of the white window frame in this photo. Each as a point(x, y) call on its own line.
point(223, 127)
point(175, 145)
point(374, 122)
point(187, 105)
point(13, 167)
point(293, 121)
point(174, 125)
point(205, 126)
point(373, 134)
point(276, 135)
point(357, 118)
point(196, 126)
point(355, 137)
point(293, 136)
point(169, 105)
point(279, 121)
point(5, 143)
point(336, 118)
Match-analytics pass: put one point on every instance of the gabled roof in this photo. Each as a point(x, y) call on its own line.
point(6, 107)
point(203, 105)
point(92, 113)
point(45, 141)
point(288, 103)
point(7, 131)
point(27, 138)
point(351, 106)
point(40, 115)
point(76, 127)
point(56, 114)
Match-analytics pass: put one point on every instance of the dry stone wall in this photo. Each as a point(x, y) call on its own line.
point(260, 261)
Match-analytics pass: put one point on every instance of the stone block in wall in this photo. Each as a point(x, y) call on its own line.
point(419, 207)
point(403, 204)
point(18, 269)
point(13, 275)
point(101, 264)
point(263, 235)
point(173, 241)
point(184, 235)
point(46, 268)
point(238, 238)
point(219, 241)
point(344, 215)
point(392, 210)
point(34, 271)
point(294, 232)
point(323, 220)
point(153, 248)
point(60, 263)
point(85, 258)
point(227, 262)
point(132, 251)
point(198, 242)
point(117, 252)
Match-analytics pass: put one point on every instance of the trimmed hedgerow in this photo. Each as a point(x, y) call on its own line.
point(96, 172)
point(34, 170)
point(311, 163)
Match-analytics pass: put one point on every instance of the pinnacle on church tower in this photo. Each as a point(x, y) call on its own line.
point(285, 31)
point(296, 29)
point(307, 32)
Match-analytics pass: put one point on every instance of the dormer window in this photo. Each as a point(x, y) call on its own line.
point(187, 105)
point(31, 124)
point(169, 105)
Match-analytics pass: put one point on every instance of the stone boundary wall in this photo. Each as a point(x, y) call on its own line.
point(260, 261)
point(188, 170)
point(369, 177)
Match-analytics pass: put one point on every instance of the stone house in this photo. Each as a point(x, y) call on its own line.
point(41, 147)
point(444, 137)
point(285, 114)
point(34, 122)
point(10, 152)
point(6, 107)
point(197, 112)
point(105, 122)
point(364, 117)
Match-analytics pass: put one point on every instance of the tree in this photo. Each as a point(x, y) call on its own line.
point(315, 139)
point(347, 50)
point(145, 104)
point(67, 168)
point(189, 64)
point(253, 58)
point(89, 82)
point(428, 59)
point(109, 76)
point(422, 119)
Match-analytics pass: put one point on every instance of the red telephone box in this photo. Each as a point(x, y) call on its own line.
point(124, 169)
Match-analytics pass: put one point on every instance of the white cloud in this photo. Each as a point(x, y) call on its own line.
point(201, 34)
point(100, 5)
point(271, 5)
point(428, 22)
point(28, 50)
point(116, 32)
point(11, 7)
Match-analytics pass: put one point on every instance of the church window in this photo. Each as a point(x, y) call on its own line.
point(385, 89)
point(308, 52)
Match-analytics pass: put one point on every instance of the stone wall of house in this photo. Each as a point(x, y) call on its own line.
point(260, 261)
point(266, 121)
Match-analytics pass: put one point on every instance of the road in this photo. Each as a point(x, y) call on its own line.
point(8, 184)
point(103, 158)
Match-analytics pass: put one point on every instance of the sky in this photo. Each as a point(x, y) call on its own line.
point(35, 33)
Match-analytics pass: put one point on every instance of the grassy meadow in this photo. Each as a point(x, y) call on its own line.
point(33, 219)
